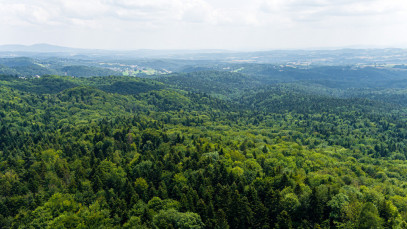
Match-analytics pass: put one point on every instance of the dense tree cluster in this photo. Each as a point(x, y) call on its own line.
point(84, 155)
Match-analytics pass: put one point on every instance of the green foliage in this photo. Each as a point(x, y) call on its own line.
point(86, 71)
point(369, 217)
point(173, 219)
point(95, 153)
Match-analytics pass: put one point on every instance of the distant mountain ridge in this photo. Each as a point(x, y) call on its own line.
point(48, 48)
point(38, 48)
point(392, 56)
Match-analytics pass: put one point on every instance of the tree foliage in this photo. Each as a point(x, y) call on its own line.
point(82, 156)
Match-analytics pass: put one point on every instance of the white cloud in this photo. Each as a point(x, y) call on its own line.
point(212, 23)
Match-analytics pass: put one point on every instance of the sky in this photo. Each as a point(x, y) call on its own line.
point(205, 24)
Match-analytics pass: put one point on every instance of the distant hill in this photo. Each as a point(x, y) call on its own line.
point(24, 66)
point(86, 71)
point(302, 57)
point(38, 48)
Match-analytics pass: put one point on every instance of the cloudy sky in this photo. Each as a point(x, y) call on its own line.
point(205, 24)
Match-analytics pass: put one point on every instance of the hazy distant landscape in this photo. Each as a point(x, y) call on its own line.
point(48, 59)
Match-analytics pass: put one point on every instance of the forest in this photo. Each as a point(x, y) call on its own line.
point(254, 146)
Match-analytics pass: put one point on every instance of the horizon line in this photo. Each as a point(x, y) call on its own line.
point(248, 50)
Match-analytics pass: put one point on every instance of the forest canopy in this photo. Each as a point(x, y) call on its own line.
point(204, 149)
